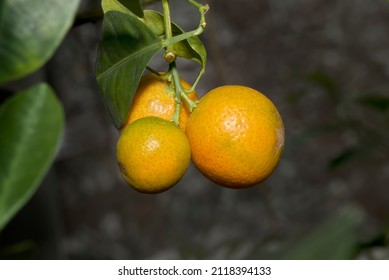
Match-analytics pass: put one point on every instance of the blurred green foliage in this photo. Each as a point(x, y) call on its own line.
point(334, 239)
point(31, 122)
point(30, 32)
point(349, 114)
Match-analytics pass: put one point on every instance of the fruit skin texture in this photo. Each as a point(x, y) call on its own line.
point(236, 136)
point(155, 97)
point(153, 154)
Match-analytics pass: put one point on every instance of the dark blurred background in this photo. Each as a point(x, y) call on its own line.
point(324, 63)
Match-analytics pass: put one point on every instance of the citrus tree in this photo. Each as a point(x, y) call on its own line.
point(32, 120)
point(235, 134)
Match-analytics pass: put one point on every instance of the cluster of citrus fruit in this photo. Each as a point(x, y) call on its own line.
point(235, 137)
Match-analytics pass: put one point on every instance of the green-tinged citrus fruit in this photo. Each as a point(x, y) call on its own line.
point(153, 154)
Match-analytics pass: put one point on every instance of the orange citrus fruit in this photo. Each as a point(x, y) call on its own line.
point(153, 154)
point(155, 97)
point(236, 136)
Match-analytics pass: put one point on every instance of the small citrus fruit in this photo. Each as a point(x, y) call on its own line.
point(236, 136)
point(153, 154)
point(155, 97)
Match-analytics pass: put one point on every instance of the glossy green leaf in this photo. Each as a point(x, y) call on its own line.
point(126, 48)
point(191, 48)
point(335, 239)
point(124, 6)
point(30, 32)
point(31, 125)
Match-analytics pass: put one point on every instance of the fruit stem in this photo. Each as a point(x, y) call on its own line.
point(172, 65)
point(202, 10)
point(170, 56)
point(178, 90)
point(172, 40)
point(167, 19)
point(169, 40)
point(153, 71)
point(191, 104)
point(193, 87)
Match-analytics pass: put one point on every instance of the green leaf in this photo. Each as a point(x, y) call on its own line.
point(191, 48)
point(31, 125)
point(30, 32)
point(376, 102)
point(131, 7)
point(134, 6)
point(126, 48)
point(333, 240)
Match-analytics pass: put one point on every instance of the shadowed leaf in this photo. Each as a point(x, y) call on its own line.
point(134, 6)
point(126, 48)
